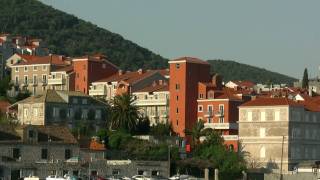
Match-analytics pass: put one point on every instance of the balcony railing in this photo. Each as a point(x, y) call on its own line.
point(152, 102)
point(208, 113)
point(219, 114)
point(225, 137)
point(221, 125)
point(56, 81)
point(97, 92)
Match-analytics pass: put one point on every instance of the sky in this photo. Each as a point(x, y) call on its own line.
point(282, 36)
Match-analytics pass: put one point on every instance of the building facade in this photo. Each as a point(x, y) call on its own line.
point(153, 102)
point(30, 73)
point(279, 131)
point(124, 82)
point(89, 69)
point(218, 109)
point(185, 73)
point(62, 108)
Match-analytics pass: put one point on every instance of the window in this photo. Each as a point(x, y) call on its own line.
point(17, 69)
point(200, 108)
point(210, 108)
point(25, 69)
point(115, 172)
point(30, 133)
point(177, 86)
point(262, 152)
point(210, 120)
point(44, 78)
point(25, 112)
point(35, 112)
point(262, 132)
point(201, 96)
point(98, 114)
point(84, 101)
point(35, 68)
point(34, 79)
point(55, 112)
point(67, 154)
point(17, 79)
point(44, 68)
point(177, 122)
point(221, 109)
point(145, 97)
point(221, 120)
point(177, 98)
point(263, 116)
point(177, 66)
point(26, 79)
point(16, 153)
point(84, 79)
point(44, 153)
point(177, 110)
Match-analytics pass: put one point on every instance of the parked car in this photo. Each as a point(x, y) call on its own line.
point(179, 177)
point(142, 177)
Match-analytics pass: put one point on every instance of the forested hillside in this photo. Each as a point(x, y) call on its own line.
point(66, 34)
point(231, 70)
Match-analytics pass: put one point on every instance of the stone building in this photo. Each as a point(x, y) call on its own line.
point(62, 107)
point(275, 130)
point(37, 150)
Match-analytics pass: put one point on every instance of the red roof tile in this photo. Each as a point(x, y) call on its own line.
point(271, 102)
point(155, 87)
point(129, 77)
point(31, 59)
point(4, 104)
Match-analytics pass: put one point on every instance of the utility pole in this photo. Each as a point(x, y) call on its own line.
point(281, 176)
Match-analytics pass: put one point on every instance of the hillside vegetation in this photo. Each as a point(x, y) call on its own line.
point(231, 70)
point(66, 34)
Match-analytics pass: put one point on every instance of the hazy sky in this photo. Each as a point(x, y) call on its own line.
point(282, 36)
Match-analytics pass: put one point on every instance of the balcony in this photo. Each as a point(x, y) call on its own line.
point(208, 114)
point(164, 115)
point(219, 114)
point(221, 125)
point(56, 81)
point(225, 137)
point(152, 102)
point(97, 92)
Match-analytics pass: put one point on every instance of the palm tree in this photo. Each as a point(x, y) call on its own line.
point(124, 113)
point(196, 132)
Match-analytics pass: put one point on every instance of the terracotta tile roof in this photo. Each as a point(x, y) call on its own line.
point(164, 72)
point(128, 77)
point(67, 69)
point(191, 60)
point(58, 134)
point(96, 58)
point(96, 146)
point(271, 102)
point(248, 84)
point(31, 59)
point(4, 104)
point(155, 87)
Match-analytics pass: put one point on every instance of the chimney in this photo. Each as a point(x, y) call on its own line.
point(120, 72)
point(140, 71)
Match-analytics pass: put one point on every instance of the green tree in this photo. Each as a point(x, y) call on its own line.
point(160, 130)
point(305, 79)
point(196, 132)
point(124, 113)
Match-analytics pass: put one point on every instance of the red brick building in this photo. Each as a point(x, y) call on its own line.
point(185, 73)
point(91, 68)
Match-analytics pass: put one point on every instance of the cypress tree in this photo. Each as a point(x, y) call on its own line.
point(305, 79)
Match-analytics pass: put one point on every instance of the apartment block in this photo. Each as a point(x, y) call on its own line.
point(9, 45)
point(218, 109)
point(61, 108)
point(31, 73)
point(124, 82)
point(153, 102)
point(89, 69)
point(277, 131)
point(185, 74)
